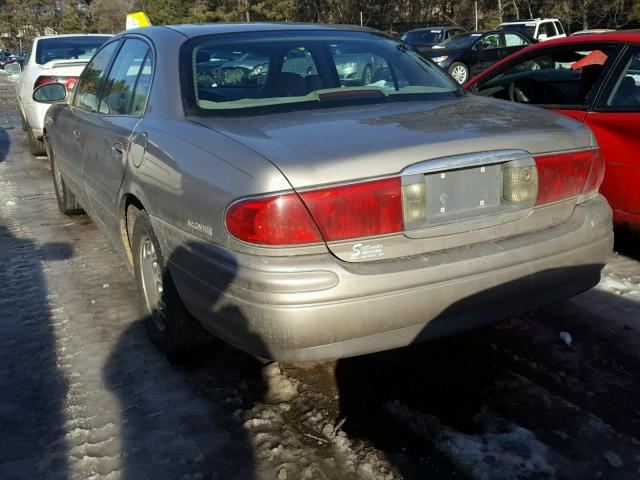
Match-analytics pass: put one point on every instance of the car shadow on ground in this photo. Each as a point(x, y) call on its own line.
point(505, 401)
point(5, 143)
point(627, 242)
point(167, 430)
point(33, 387)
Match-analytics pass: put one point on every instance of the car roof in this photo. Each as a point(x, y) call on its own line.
point(632, 36)
point(529, 20)
point(195, 30)
point(66, 35)
point(421, 29)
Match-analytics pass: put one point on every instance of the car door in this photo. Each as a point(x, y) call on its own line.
point(615, 120)
point(109, 131)
point(68, 141)
point(486, 52)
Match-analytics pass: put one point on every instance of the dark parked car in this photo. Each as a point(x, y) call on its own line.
point(425, 38)
point(468, 54)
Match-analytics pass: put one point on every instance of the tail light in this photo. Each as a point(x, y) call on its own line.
point(68, 82)
point(336, 213)
point(276, 220)
point(567, 175)
point(358, 210)
point(385, 206)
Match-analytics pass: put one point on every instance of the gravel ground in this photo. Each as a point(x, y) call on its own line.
point(83, 394)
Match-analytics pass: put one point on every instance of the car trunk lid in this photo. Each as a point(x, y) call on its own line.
point(419, 142)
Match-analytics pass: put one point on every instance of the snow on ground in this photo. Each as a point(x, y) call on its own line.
point(503, 451)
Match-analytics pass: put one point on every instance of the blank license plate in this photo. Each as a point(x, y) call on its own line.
point(458, 195)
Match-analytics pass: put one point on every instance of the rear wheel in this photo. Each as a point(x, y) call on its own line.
point(67, 202)
point(36, 145)
point(459, 72)
point(171, 327)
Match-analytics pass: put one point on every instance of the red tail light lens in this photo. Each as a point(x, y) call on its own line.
point(564, 175)
point(43, 80)
point(349, 211)
point(277, 220)
point(68, 82)
point(358, 210)
point(596, 176)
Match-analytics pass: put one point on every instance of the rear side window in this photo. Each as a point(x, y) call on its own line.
point(559, 28)
point(87, 90)
point(513, 40)
point(121, 86)
point(68, 48)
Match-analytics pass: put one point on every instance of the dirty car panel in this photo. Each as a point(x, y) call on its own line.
point(303, 217)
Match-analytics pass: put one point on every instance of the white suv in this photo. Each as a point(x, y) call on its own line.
point(540, 29)
point(55, 58)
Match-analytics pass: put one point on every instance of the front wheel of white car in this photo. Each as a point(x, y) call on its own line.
point(459, 72)
point(171, 327)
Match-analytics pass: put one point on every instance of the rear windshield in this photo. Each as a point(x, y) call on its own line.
point(68, 48)
point(519, 27)
point(303, 69)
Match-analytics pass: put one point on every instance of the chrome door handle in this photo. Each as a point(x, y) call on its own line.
point(117, 151)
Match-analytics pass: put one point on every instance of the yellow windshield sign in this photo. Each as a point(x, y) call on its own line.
point(136, 20)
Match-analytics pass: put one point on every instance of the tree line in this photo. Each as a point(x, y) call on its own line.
point(21, 20)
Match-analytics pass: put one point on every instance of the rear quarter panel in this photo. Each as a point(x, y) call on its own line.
point(618, 134)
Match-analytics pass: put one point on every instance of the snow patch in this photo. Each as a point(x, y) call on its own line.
point(505, 451)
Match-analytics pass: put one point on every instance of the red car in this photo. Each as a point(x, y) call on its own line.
point(594, 79)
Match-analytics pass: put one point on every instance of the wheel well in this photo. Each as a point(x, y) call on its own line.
point(131, 207)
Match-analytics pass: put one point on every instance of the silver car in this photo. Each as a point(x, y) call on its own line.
point(302, 219)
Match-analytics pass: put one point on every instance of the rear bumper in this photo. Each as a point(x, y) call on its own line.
point(317, 307)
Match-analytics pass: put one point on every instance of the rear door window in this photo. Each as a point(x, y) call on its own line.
point(120, 86)
point(513, 40)
point(90, 81)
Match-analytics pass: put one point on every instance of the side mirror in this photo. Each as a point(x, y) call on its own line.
point(50, 93)
point(13, 69)
point(542, 37)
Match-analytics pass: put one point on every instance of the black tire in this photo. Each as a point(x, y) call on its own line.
point(36, 146)
point(67, 202)
point(459, 72)
point(171, 327)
